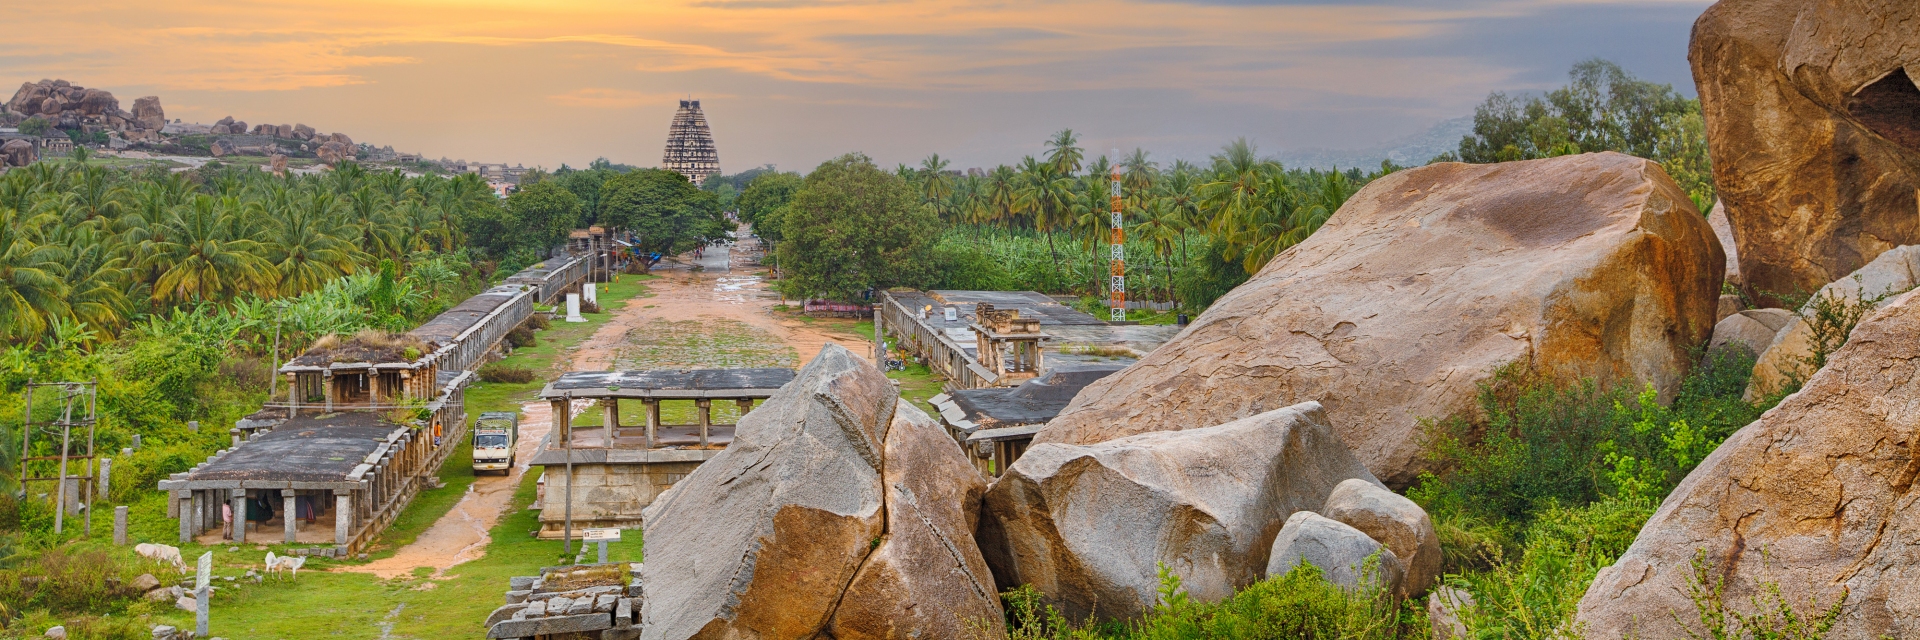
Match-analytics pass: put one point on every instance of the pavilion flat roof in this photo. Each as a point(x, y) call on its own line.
point(669, 384)
point(305, 452)
point(443, 328)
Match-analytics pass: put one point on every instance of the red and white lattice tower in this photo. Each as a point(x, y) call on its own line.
point(1118, 261)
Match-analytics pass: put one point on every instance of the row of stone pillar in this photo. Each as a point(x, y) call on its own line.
point(610, 419)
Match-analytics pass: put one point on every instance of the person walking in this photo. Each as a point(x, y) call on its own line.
point(226, 520)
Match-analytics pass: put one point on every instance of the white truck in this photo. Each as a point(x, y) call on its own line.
point(494, 435)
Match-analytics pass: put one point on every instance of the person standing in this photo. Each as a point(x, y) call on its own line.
point(226, 520)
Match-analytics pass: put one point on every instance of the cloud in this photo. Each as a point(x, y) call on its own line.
point(601, 98)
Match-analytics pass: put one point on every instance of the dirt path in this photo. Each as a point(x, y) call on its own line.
point(715, 292)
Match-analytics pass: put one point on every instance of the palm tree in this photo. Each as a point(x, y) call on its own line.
point(308, 248)
point(201, 260)
point(31, 292)
point(95, 278)
point(1063, 152)
point(1046, 196)
point(935, 186)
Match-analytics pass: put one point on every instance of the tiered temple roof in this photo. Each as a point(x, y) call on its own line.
point(690, 145)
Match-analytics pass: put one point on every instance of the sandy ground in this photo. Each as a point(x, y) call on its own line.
point(714, 292)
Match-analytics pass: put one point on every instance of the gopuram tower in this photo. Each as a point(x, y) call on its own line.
point(690, 144)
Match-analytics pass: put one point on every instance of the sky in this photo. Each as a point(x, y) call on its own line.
point(796, 82)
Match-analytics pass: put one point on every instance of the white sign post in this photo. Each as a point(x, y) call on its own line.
point(200, 593)
point(573, 308)
point(602, 536)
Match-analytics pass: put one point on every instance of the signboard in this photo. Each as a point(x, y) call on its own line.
point(600, 535)
point(205, 573)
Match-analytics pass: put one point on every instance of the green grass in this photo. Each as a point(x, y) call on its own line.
point(917, 384)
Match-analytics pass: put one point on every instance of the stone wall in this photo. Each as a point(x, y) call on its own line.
point(605, 495)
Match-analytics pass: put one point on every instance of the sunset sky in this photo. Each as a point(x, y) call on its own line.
point(793, 82)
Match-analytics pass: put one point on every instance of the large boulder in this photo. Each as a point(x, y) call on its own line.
point(342, 138)
point(1790, 357)
point(1090, 525)
point(222, 148)
point(17, 153)
point(302, 132)
point(148, 116)
point(27, 100)
point(1816, 497)
point(96, 102)
point(333, 153)
point(927, 577)
point(1813, 124)
point(806, 523)
point(1426, 281)
point(1346, 556)
point(1396, 522)
point(1750, 332)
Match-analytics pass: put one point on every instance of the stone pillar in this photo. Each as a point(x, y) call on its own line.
point(186, 520)
point(239, 516)
point(120, 526)
point(235, 434)
point(706, 418)
point(293, 394)
point(592, 292)
point(745, 405)
point(653, 421)
point(288, 497)
point(342, 516)
point(194, 508)
point(326, 388)
point(610, 419)
point(373, 387)
point(558, 423)
point(106, 475)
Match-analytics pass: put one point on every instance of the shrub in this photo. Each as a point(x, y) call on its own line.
point(958, 265)
point(520, 337)
point(1300, 604)
point(497, 372)
point(1772, 617)
point(589, 306)
point(538, 322)
point(1535, 595)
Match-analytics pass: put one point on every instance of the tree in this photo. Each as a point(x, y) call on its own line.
point(854, 227)
point(35, 126)
point(541, 216)
point(1602, 108)
point(663, 209)
point(764, 199)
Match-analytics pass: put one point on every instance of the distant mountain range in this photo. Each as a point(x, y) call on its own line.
point(1411, 151)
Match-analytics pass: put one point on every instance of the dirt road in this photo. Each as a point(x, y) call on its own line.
point(714, 296)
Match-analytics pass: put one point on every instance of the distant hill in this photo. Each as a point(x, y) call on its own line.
point(1411, 151)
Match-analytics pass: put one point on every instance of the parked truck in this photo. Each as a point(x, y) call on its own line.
point(494, 435)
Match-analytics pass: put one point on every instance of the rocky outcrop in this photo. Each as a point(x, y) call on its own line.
point(333, 153)
point(1396, 522)
point(927, 577)
point(147, 114)
point(1089, 525)
point(1345, 556)
point(807, 526)
point(342, 139)
point(222, 148)
point(1815, 497)
point(1426, 281)
point(1790, 357)
point(1813, 124)
point(17, 153)
point(27, 100)
point(303, 132)
point(1750, 331)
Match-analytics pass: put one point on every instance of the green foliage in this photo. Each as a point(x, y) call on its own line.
point(1300, 604)
point(765, 199)
point(541, 216)
point(853, 227)
point(663, 210)
point(506, 374)
point(35, 126)
point(1538, 443)
point(1831, 319)
point(1534, 595)
point(1602, 108)
point(1209, 276)
point(958, 265)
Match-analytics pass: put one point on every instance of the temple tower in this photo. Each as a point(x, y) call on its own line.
point(690, 145)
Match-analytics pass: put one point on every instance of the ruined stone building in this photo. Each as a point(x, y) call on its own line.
point(690, 144)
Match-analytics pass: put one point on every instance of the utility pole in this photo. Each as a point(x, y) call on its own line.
point(1117, 263)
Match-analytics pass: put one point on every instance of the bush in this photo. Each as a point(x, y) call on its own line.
point(520, 337)
point(1537, 443)
point(961, 266)
point(501, 373)
point(1300, 604)
point(538, 322)
point(1535, 595)
point(78, 578)
point(589, 306)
